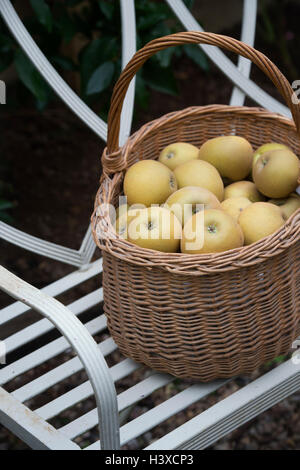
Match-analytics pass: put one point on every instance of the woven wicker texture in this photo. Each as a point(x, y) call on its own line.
point(199, 316)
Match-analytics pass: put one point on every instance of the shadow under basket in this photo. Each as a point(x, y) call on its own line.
point(208, 316)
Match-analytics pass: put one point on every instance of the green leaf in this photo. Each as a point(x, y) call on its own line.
point(161, 80)
point(4, 204)
point(98, 51)
point(5, 61)
point(101, 78)
point(197, 55)
point(277, 360)
point(164, 57)
point(6, 44)
point(107, 8)
point(268, 31)
point(43, 13)
point(189, 3)
point(64, 62)
point(89, 58)
point(146, 7)
point(160, 29)
point(146, 21)
point(66, 26)
point(41, 104)
point(6, 52)
point(31, 78)
point(6, 217)
point(280, 359)
point(103, 114)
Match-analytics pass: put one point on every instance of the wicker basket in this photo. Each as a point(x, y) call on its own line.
point(199, 316)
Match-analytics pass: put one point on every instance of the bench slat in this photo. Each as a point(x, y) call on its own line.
point(56, 288)
point(43, 354)
point(233, 411)
point(41, 327)
point(127, 398)
point(58, 374)
point(163, 411)
point(29, 427)
point(83, 391)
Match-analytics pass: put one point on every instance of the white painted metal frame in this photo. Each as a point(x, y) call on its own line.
point(86, 348)
point(235, 410)
point(224, 64)
point(66, 255)
point(33, 426)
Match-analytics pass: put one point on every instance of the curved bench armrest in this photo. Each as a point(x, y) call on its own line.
point(84, 345)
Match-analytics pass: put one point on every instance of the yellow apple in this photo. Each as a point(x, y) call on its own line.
point(276, 172)
point(184, 202)
point(178, 153)
point(235, 205)
point(266, 148)
point(200, 173)
point(122, 222)
point(148, 182)
point(231, 155)
point(243, 189)
point(121, 210)
point(260, 220)
point(288, 205)
point(156, 228)
point(211, 231)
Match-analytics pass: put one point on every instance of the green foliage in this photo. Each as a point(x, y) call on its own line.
point(5, 201)
point(6, 51)
point(43, 13)
point(31, 78)
point(55, 24)
point(197, 55)
point(4, 215)
point(277, 360)
point(101, 78)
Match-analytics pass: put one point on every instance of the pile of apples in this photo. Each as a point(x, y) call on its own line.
point(243, 195)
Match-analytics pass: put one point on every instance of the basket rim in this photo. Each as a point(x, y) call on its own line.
point(117, 161)
point(181, 263)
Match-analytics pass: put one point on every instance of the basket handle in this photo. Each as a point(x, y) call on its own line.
point(191, 37)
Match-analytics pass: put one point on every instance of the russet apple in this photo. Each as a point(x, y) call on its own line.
point(235, 205)
point(149, 182)
point(122, 222)
point(211, 231)
point(276, 172)
point(184, 202)
point(243, 189)
point(200, 173)
point(231, 155)
point(156, 228)
point(266, 148)
point(259, 220)
point(121, 210)
point(124, 208)
point(288, 205)
point(178, 153)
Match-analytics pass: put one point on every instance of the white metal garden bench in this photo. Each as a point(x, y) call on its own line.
point(33, 426)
